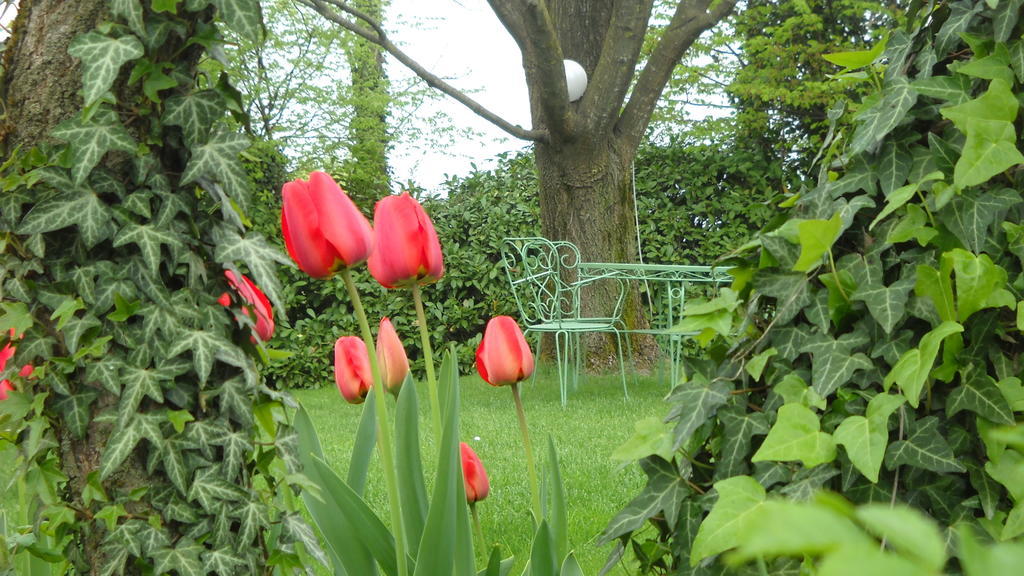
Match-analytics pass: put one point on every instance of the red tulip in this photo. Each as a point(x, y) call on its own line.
point(323, 230)
point(408, 251)
point(5, 387)
point(474, 475)
point(391, 357)
point(352, 369)
point(503, 356)
point(26, 370)
point(257, 299)
point(6, 354)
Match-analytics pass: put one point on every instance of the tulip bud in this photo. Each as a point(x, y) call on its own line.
point(26, 370)
point(408, 251)
point(503, 356)
point(5, 387)
point(391, 357)
point(323, 230)
point(352, 369)
point(251, 294)
point(474, 475)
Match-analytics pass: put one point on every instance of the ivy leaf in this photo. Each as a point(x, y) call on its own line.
point(907, 530)
point(878, 120)
point(937, 286)
point(961, 14)
point(75, 411)
point(210, 489)
point(1004, 18)
point(693, 404)
point(816, 238)
point(252, 516)
point(148, 238)
point(794, 390)
point(1008, 470)
point(174, 464)
point(131, 12)
point(242, 16)
point(73, 206)
point(990, 149)
point(260, 257)
point(89, 140)
point(954, 89)
point(791, 293)
point(196, 113)
point(970, 215)
point(118, 447)
point(832, 364)
point(894, 165)
point(740, 427)
point(136, 384)
point(912, 370)
point(738, 498)
point(979, 393)
point(204, 346)
point(887, 305)
point(807, 482)
point(664, 490)
point(102, 57)
point(979, 283)
point(166, 6)
point(866, 437)
point(218, 160)
point(796, 529)
point(223, 561)
point(925, 448)
point(183, 559)
point(797, 435)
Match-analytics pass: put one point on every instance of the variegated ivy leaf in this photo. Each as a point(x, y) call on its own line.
point(925, 448)
point(131, 12)
point(224, 560)
point(242, 16)
point(148, 238)
point(118, 447)
point(183, 559)
point(71, 206)
point(961, 14)
point(204, 346)
point(887, 304)
point(102, 58)
point(76, 413)
point(196, 113)
point(217, 160)
point(135, 384)
point(210, 489)
point(693, 403)
point(833, 363)
point(876, 121)
point(90, 139)
point(979, 393)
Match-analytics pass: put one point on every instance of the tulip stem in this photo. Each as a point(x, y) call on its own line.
point(383, 430)
point(478, 530)
point(531, 469)
point(428, 360)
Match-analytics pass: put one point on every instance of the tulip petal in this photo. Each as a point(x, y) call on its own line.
point(301, 229)
point(343, 226)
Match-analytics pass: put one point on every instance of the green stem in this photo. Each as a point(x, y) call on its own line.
point(478, 530)
point(387, 455)
point(428, 355)
point(531, 469)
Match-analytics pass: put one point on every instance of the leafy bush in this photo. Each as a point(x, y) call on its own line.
point(870, 344)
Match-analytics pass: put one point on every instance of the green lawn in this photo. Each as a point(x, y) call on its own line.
point(597, 420)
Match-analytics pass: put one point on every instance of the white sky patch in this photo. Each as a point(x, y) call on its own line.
point(464, 43)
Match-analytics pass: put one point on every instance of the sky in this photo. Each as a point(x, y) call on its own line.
point(463, 42)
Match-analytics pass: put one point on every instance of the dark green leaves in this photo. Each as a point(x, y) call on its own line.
point(102, 58)
point(693, 404)
point(878, 120)
point(90, 139)
point(925, 448)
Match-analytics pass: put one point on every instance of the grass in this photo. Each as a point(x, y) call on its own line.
point(597, 420)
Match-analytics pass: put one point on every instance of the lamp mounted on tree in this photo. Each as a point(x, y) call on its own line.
point(575, 79)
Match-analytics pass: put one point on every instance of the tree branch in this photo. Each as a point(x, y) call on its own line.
point(615, 67)
point(545, 71)
point(512, 20)
point(372, 32)
point(688, 23)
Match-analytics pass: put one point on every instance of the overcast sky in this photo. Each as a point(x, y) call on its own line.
point(463, 42)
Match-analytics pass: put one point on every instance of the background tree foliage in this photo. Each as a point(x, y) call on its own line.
point(870, 345)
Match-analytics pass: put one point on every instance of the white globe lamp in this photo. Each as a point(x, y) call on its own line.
point(575, 79)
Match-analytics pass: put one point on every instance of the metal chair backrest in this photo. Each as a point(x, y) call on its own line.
point(541, 273)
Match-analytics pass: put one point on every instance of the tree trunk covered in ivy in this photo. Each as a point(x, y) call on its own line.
point(366, 170)
point(121, 206)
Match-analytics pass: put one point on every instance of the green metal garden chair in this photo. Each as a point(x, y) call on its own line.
point(546, 284)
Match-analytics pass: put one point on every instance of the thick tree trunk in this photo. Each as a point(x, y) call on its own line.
point(42, 80)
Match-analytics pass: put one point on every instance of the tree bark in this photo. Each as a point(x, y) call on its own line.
point(42, 80)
